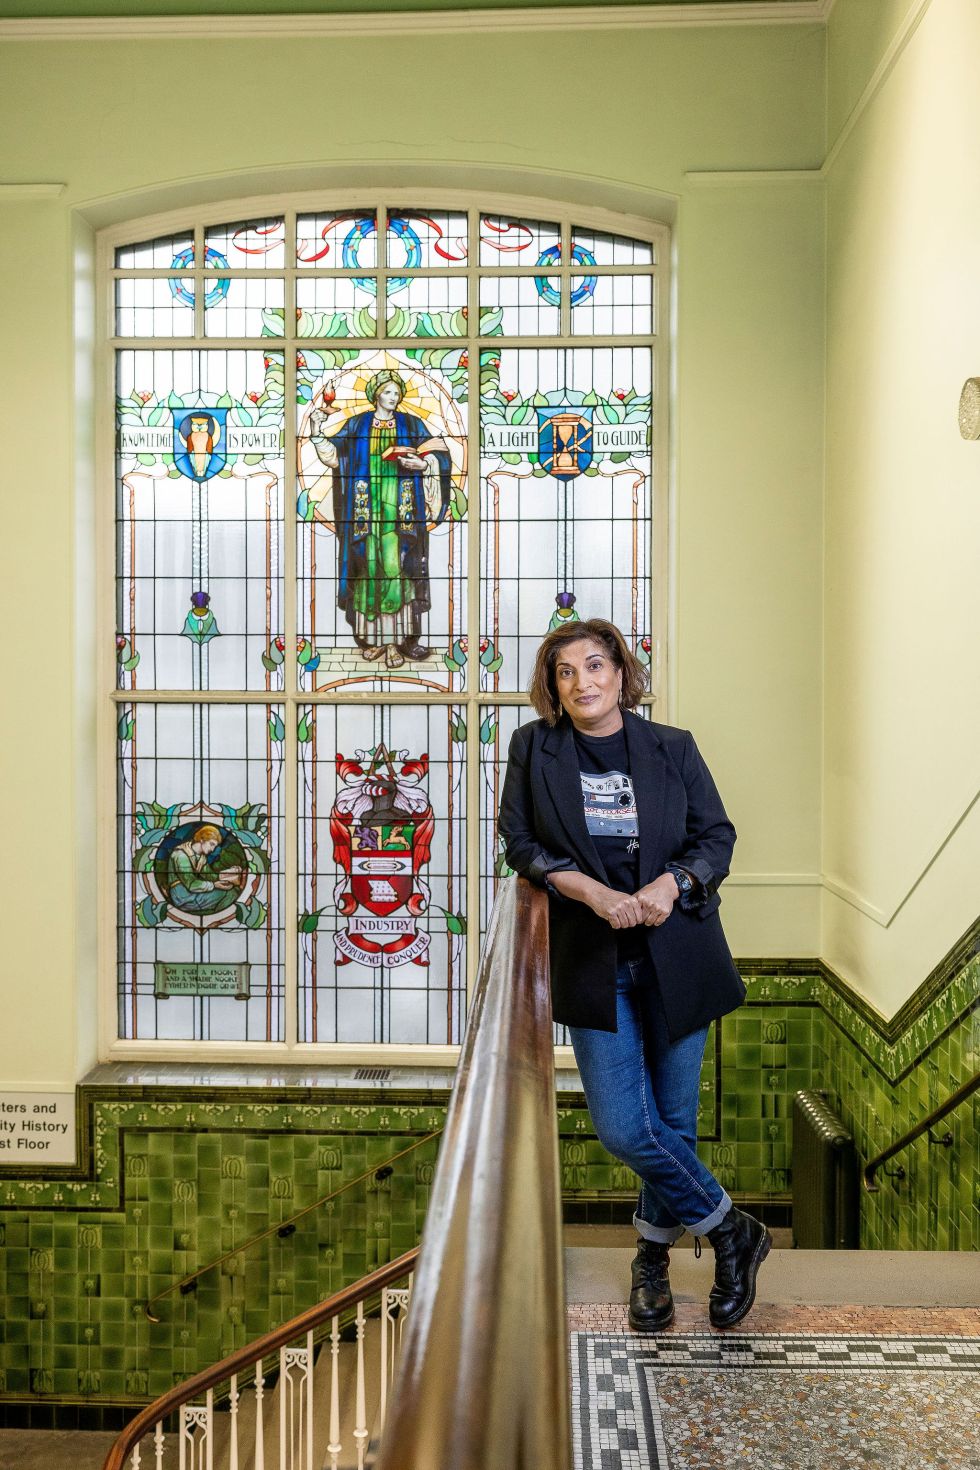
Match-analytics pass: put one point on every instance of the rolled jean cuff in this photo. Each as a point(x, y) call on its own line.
point(663, 1234)
point(715, 1218)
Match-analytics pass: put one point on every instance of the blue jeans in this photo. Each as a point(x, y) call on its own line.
point(642, 1092)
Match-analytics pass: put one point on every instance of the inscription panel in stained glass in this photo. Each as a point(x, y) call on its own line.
point(198, 519)
point(382, 862)
point(566, 498)
point(198, 857)
point(382, 486)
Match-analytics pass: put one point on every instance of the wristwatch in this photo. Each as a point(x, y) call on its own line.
point(682, 878)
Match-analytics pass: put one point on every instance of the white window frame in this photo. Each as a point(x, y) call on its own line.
point(109, 697)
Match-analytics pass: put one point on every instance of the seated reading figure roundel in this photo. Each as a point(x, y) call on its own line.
point(200, 869)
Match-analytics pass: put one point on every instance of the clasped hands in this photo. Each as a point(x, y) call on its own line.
point(650, 905)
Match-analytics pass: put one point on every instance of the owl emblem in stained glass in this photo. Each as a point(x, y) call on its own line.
point(200, 442)
point(565, 441)
point(381, 825)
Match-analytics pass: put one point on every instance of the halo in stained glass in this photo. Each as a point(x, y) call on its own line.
point(382, 456)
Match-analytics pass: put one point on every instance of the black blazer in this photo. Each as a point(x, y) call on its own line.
point(681, 819)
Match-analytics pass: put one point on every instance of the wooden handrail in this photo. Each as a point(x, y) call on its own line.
point(483, 1377)
point(254, 1352)
point(965, 1090)
point(185, 1281)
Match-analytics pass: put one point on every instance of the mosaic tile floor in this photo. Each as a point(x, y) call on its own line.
point(786, 1400)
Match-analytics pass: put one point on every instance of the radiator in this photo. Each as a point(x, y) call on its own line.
point(825, 1177)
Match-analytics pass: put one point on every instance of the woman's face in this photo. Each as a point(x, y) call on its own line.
point(389, 397)
point(589, 685)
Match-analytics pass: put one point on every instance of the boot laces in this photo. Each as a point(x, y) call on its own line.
point(651, 1268)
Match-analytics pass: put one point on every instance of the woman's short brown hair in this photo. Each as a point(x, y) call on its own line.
point(542, 687)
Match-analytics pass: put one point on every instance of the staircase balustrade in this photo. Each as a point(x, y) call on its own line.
point(466, 1367)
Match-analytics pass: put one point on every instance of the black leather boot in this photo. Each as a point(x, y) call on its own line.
point(741, 1244)
point(651, 1304)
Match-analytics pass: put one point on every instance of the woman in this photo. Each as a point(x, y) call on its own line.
point(391, 482)
point(620, 820)
point(190, 886)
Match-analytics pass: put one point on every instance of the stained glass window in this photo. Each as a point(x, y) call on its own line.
point(365, 458)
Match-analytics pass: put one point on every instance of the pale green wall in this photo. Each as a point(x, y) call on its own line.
point(902, 696)
point(118, 118)
point(859, 35)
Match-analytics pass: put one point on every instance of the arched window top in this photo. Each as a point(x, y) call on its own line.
point(365, 457)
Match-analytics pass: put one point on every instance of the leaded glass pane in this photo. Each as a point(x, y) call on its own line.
point(566, 497)
point(154, 308)
point(523, 242)
point(337, 306)
point(164, 253)
point(337, 241)
point(497, 725)
point(199, 519)
point(198, 846)
point(612, 306)
point(239, 307)
point(382, 516)
point(382, 932)
point(378, 459)
point(519, 306)
point(257, 244)
point(425, 239)
point(600, 249)
point(427, 306)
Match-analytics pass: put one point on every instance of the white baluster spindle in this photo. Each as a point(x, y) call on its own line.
point(335, 1446)
point(360, 1413)
point(233, 1397)
point(259, 1425)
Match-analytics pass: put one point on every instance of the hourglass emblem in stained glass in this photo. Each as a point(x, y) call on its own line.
point(365, 709)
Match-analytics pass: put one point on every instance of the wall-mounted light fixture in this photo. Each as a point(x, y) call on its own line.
point(970, 409)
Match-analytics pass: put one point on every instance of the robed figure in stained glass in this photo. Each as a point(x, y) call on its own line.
point(392, 482)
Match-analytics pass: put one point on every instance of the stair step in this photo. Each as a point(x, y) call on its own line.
point(790, 1277)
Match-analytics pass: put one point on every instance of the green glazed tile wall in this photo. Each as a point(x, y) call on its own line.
point(177, 1184)
point(172, 1179)
point(881, 1089)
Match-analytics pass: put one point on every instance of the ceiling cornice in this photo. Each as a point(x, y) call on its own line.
point(419, 22)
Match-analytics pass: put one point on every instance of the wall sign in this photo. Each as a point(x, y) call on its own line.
point(37, 1128)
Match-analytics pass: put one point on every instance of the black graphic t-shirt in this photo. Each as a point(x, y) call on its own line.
point(610, 815)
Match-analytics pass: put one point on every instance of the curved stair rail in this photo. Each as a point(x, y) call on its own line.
point(309, 1433)
point(965, 1090)
point(471, 1357)
point(484, 1375)
point(285, 1227)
